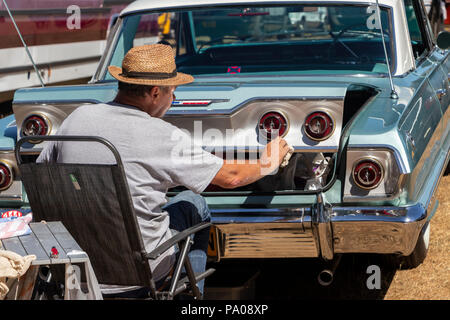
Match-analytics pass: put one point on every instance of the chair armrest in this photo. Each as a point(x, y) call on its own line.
point(175, 239)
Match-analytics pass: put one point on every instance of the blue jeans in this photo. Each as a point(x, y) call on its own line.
point(185, 210)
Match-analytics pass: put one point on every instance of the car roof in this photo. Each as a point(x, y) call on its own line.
point(143, 5)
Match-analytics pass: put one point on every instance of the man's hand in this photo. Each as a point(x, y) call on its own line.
point(233, 175)
point(273, 155)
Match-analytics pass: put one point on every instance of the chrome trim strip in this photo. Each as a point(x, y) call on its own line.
point(58, 102)
point(12, 197)
point(267, 219)
point(329, 149)
point(179, 102)
point(263, 211)
point(365, 199)
point(125, 13)
point(29, 153)
point(290, 215)
point(405, 214)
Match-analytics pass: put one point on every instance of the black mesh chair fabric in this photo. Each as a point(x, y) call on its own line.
point(94, 204)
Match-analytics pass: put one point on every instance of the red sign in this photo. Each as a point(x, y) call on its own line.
point(234, 69)
point(11, 213)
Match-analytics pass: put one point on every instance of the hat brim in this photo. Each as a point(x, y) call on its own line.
point(179, 79)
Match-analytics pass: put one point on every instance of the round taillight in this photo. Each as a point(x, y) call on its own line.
point(367, 173)
point(6, 176)
point(319, 126)
point(273, 124)
point(35, 125)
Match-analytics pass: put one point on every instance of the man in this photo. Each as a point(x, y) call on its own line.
point(133, 124)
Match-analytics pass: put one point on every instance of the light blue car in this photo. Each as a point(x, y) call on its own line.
point(359, 90)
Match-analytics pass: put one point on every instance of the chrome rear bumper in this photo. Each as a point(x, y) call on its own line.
point(318, 232)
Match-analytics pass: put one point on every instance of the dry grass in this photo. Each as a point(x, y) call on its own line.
point(431, 280)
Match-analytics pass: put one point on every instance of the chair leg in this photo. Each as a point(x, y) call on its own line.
point(183, 255)
point(192, 279)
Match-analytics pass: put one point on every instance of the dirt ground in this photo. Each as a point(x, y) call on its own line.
point(430, 280)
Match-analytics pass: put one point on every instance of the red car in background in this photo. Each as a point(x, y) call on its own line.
point(65, 37)
point(447, 11)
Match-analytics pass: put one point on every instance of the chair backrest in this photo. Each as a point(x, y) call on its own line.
point(94, 203)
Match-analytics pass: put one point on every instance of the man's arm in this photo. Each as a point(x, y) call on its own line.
point(233, 175)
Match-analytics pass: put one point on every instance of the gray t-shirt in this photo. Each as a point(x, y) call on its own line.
point(156, 156)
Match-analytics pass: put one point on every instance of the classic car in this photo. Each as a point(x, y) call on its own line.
point(361, 95)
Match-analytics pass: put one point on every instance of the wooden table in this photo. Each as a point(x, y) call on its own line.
point(43, 238)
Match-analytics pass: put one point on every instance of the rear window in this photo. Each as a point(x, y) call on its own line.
point(246, 40)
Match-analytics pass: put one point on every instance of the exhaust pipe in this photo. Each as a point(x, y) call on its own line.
point(326, 276)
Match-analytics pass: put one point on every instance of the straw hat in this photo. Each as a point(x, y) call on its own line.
point(152, 65)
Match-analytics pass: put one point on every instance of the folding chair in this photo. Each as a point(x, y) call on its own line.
point(94, 203)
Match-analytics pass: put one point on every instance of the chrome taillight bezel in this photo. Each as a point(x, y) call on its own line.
point(6, 180)
point(329, 129)
point(280, 116)
point(394, 173)
point(369, 162)
point(46, 124)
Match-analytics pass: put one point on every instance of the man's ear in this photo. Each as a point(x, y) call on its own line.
point(155, 92)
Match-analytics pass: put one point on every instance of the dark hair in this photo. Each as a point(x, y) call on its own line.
point(137, 90)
